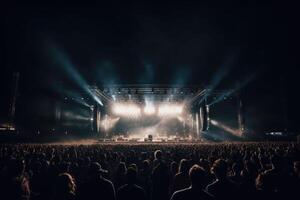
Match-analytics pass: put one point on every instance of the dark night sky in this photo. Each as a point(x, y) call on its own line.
point(185, 43)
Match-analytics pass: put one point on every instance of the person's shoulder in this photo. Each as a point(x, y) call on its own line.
point(183, 191)
point(139, 187)
point(122, 187)
point(206, 195)
point(178, 175)
point(106, 181)
point(140, 190)
point(213, 184)
point(268, 172)
point(179, 194)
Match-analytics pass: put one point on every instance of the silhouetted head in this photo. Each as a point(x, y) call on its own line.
point(121, 170)
point(219, 168)
point(158, 155)
point(198, 176)
point(146, 165)
point(96, 169)
point(236, 168)
point(174, 167)
point(276, 161)
point(64, 184)
point(184, 166)
point(134, 166)
point(297, 167)
point(131, 175)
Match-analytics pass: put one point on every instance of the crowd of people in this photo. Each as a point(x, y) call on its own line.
point(150, 171)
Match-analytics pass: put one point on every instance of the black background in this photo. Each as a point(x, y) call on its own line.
point(162, 43)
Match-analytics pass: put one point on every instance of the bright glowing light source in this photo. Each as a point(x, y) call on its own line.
point(149, 110)
point(92, 119)
point(213, 122)
point(108, 122)
point(129, 110)
point(180, 119)
point(170, 109)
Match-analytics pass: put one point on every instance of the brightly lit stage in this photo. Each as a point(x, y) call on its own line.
point(160, 113)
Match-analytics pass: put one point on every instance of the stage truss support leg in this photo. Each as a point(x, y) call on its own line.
point(197, 126)
point(241, 118)
point(96, 117)
point(204, 112)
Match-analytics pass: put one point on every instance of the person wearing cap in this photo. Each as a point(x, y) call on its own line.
point(96, 187)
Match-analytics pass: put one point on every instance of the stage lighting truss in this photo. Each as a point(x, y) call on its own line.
point(138, 94)
point(133, 110)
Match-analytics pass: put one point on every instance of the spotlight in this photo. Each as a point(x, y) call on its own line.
point(214, 122)
point(170, 109)
point(129, 110)
point(108, 122)
point(92, 119)
point(149, 110)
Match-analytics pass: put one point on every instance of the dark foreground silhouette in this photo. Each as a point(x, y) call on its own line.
point(150, 171)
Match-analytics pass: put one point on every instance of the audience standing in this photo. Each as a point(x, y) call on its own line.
point(150, 171)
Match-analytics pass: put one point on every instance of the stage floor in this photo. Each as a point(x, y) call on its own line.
point(142, 143)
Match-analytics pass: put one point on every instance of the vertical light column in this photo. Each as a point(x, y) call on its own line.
point(197, 126)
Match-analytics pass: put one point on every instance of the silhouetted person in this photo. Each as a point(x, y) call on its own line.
point(222, 187)
point(145, 177)
point(196, 191)
point(64, 188)
point(274, 182)
point(157, 157)
point(173, 169)
point(295, 180)
point(181, 179)
point(296, 169)
point(131, 191)
point(263, 186)
point(96, 186)
point(14, 183)
point(119, 178)
point(236, 173)
point(38, 166)
point(160, 178)
point(247, 187)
